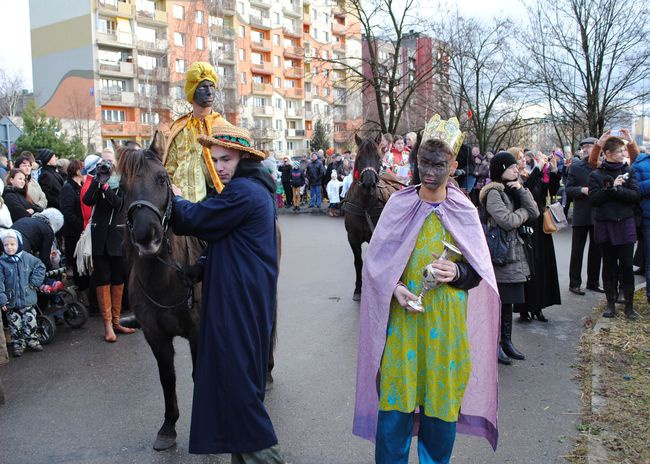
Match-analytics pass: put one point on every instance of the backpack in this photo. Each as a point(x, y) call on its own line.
point(496, 238)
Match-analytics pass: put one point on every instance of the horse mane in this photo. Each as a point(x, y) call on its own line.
point(130, 161)
point(367, 152)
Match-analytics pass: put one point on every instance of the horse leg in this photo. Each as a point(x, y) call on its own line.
point(358, 266)
point(163, 350)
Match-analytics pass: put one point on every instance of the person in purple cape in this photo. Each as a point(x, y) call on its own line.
point(429, 373)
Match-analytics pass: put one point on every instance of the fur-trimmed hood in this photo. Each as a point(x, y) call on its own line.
point(491, 186)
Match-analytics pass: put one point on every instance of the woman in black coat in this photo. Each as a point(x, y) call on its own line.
point(543, 288)
point(107, 233)
point(73, 226)
point(16, 196)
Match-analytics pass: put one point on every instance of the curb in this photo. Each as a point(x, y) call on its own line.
point(303, 210)
point(596, 452)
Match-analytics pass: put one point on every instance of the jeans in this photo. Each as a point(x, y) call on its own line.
point(646, 243)
point(435, 438)
point(315, 195)
point(470, 180)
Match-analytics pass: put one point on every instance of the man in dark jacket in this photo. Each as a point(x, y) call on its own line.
point(577, 190)
point(285, 171)
point(315, 172)
point(49, 179)
point(38, 233)
point(238, 307)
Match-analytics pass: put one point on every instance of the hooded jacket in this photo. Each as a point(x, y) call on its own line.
point(502, 212)
point(18, 203)
point(20, 275)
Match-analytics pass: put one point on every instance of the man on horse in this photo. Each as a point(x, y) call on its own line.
point(238, 305)
point(187, 162)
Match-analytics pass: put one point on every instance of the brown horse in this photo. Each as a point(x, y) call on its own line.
point(161, 293)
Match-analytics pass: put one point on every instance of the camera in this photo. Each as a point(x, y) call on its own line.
point(104, 168)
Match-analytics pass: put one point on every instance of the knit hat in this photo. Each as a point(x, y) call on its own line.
point(501, 161)
point(11, 233)
point(44, 155)
point(295, 165)
point(198, 71)
point(53, 216)
point(90, 163)
point(588, 141)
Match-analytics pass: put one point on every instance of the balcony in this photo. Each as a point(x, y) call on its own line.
point(339, 47)
point(153, 101)
point(117, 98)
point(156, 74)
point(157, 17)
point(263, 111)
point(226, 32)
point(308, 132)
point(264, 133)
point(220, 56)
point(341, 137)
point(116, 38)
point(263, 68)
point(294, 73)
point(306, 17)
point(292, 9)
point(291, 32)
point(295, 133)
point(294, 52)
point(261, 3)
point(295, 92)
point(309, 115)
point(339, 29)
point(115, 8)
point(261, 89)
point(256, 21)
point(228, 81)
point(293, 113)
point(222, 8)
point(262, 45)
point(121, 68)
point(129, 128)
point(338, 11)
point(159, 46)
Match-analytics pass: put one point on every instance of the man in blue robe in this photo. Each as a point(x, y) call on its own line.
point(238, 302)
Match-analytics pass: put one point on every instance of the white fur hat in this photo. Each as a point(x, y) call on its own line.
point(54, 216)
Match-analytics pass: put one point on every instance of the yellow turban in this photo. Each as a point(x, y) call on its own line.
point(196, 73)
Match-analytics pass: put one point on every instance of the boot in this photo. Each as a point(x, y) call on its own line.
point(503, 358)
point(506, 334)
point(629, 304)
point(116, 298)
point(104, 302)
point(611, 294)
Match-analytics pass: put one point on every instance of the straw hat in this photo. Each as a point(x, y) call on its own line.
point(231, 137)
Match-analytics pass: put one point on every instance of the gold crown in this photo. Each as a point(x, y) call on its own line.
point(445, 130)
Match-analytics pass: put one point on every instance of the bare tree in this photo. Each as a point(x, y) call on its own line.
point(83, 123)
point(11, 86)
point(384, 73)
point(589, 59)
point(488, 97)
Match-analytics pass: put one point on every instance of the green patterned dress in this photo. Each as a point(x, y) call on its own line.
point(426, 359)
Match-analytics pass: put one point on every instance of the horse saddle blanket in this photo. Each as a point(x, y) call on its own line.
point(388, 184)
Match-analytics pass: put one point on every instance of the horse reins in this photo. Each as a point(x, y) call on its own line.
point(358, 210)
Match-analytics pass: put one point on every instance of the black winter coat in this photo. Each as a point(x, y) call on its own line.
point(70, 206)
point(315, 171)
point(107, 230)
point(285, 170)
point(578, 178)
point(38, 238)
point(51, 182)
point(611, 203)
point(18, 204)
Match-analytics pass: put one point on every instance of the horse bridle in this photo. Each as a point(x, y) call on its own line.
point(163, 217)
point(366, 169)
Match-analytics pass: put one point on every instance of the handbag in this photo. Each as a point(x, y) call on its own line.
point(554, 218)
point(83, 252)
point(497, 242)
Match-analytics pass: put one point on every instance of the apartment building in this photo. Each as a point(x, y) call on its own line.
point(122, 63)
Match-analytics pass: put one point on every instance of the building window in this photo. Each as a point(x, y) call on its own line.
point(278, 124)
point(180, 65)
point(149, 118)
point(244, 102)
point(113, 85)
point(278, 82)
point(314, 14)
point(259, 102)
point(326, 91)
point(240, 7)
point(276, 19)
point(242, 54)
point(148, 90)
point(326, 17)
point(179, 39)
point(199, 17)
point(147, 62)
point(242, 77)
point(326, 36)
point(276, 39)
point(179, 11)
point(113, 116)
point(278, 103)
point(242, 31)
point(176, 92)
point(276, 61)
point(289, 145)
point(200, 43)
point(256, 58)
point(107, 26)
point(257, 36)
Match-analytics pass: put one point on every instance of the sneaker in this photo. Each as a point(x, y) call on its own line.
point(18, 352)
point(35, 347)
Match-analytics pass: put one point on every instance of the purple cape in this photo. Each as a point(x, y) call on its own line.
point(386, 258)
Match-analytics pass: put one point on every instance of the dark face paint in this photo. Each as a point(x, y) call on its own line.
point(434, 169)
point(204, 94)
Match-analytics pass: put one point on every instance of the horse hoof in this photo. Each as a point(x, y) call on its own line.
point(164, 442)
point(356, 296)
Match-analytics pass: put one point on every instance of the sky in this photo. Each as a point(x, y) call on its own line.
point(15, 47)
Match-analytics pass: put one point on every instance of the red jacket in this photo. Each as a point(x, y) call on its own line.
point(86, 211)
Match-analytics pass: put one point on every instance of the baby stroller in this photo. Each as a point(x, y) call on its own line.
point(56, 301)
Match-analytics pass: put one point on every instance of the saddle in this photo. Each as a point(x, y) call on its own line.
point(388, 184)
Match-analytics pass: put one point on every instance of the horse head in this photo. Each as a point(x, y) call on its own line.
point(368, 162)
point(148, 196)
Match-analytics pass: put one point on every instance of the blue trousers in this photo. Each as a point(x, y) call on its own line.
point(393, 441)
point(646, 243)
point(315, 195)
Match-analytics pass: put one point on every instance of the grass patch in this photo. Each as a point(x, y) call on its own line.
point(622, 352)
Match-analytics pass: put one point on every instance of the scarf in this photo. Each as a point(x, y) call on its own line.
point(114, 181)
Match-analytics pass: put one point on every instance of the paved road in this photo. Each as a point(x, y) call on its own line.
point(86, 401)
